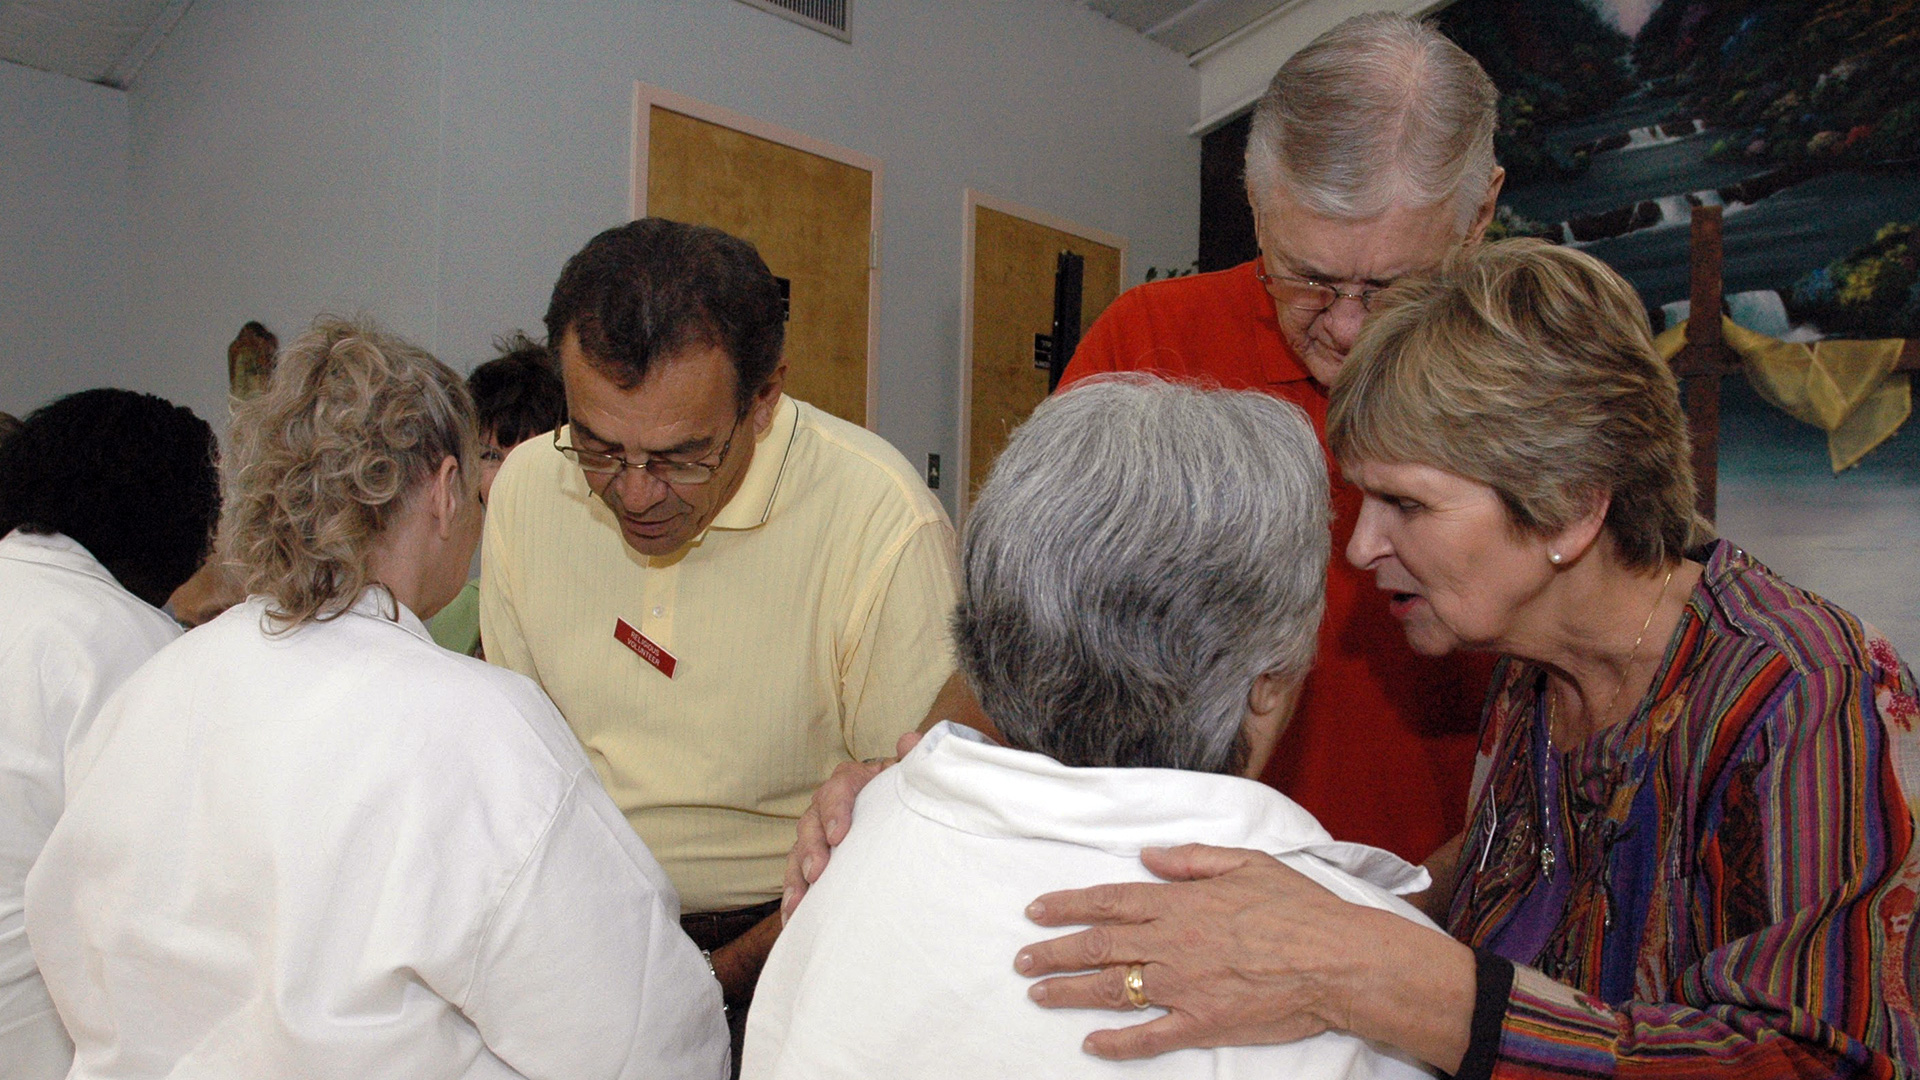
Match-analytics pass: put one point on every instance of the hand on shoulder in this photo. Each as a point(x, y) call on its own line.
point(1241, 949)
point(827, 820)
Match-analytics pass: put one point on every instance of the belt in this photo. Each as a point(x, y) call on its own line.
point(711, 930)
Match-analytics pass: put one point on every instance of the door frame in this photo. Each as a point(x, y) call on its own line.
point(646, 96)
point(970, 200)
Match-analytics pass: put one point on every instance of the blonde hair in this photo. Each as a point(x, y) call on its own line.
point(353, 420)
point(1527, 367)
point(1381, 111)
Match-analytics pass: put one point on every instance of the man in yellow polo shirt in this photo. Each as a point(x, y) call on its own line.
point(726, 591)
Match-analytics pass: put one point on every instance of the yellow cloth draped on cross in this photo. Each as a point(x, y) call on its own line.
point(1847, 389)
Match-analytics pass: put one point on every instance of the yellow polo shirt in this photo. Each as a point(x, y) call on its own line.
point(808, 626)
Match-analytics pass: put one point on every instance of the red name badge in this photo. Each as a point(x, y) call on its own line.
point(625, 634)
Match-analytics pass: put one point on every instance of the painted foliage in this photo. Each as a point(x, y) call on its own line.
point(1802, 119)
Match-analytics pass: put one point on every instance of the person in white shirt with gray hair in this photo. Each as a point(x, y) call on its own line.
point(304, 841)
point(1143, 576)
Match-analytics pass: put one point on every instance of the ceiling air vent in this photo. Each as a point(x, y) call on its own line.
point(827, 16)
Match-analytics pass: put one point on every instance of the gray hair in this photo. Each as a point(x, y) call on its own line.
point(1378, 112)
point(1141, 553)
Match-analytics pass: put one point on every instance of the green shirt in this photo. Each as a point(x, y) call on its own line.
point(457, 627)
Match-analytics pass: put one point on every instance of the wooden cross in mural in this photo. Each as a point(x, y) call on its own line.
point(1706, 357)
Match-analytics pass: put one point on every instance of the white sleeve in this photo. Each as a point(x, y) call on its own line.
point(583, 970)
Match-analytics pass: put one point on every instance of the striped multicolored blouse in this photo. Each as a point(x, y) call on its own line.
point(1738, 873)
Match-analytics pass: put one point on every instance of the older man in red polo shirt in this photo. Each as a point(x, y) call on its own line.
point(1370, 157)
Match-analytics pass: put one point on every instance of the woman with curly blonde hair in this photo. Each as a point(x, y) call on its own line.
point(306, 841)
point(326, 460)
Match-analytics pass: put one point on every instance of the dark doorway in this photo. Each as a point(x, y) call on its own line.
point(1226, 221)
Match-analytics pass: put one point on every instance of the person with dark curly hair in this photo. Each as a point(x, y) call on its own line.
point(107, 503)
point(130, 477)
point(517, 395)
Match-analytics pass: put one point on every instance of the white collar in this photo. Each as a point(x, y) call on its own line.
point(56, 549)
point(374, 603)
point(379, 604)
point(956, 777)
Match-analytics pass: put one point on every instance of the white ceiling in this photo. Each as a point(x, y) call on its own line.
point(1188, 26)
point(108, 41)
point(101, 41)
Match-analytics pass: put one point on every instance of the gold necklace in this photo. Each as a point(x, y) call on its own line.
point(1547, 798)
point(1634, 654)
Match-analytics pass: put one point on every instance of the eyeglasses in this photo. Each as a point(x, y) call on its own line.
point(685, 473)
point(1307, 295)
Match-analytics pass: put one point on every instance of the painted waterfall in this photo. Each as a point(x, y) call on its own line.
point(1802, 119)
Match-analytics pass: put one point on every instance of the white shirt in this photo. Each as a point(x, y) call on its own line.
point(346, 852)
point(69, 634)
point(899, 963)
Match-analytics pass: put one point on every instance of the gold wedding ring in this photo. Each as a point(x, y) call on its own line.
point(1136, 987)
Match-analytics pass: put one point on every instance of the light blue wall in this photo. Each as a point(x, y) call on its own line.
point(284, 163)
point(64, 241)
point(433, 163)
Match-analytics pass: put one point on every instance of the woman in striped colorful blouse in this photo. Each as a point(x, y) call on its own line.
point(1690, 849)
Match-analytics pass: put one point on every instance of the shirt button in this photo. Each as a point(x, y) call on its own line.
point(658, 611)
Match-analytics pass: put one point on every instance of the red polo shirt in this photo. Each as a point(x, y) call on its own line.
point(1381, 746)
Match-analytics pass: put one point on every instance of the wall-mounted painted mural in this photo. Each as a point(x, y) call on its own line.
point(1801, 119)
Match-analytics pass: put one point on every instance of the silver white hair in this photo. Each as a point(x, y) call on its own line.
point(1141, 553)
point(1381, 111)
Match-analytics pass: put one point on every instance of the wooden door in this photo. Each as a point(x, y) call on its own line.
point(811, 214)
point(1014, 257)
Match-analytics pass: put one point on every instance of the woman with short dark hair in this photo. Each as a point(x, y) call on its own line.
point(107, 503)
point(130, 477)
point(516, 395)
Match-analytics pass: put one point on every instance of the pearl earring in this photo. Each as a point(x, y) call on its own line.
point(1553, 557)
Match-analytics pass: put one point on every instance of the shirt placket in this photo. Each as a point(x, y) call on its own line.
point(659, 600)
